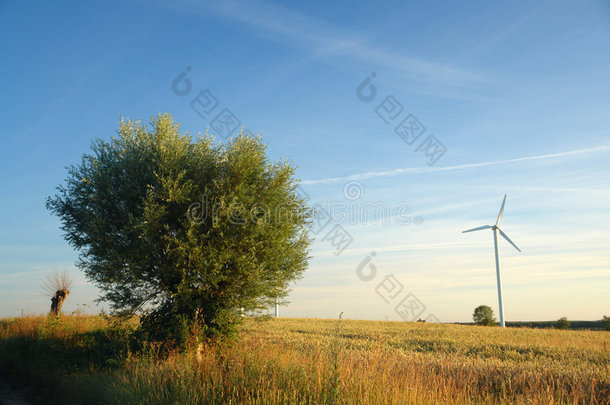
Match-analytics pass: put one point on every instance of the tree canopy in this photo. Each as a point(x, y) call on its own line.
point(606, 322)
point(484, 315)
point(563, 323)
point(184, 231)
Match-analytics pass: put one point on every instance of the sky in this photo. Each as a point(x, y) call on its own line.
point(408, 121)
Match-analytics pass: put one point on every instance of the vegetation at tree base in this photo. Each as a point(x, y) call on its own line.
point(563, 323)
point(183, 230)
point(84, 359)
point(484, 315)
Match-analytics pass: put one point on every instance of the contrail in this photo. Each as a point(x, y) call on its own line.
point(417, 170)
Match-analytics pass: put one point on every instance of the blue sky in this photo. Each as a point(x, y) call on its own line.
point(517, 93)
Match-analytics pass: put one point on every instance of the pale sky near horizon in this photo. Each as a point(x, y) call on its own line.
point(517, 94)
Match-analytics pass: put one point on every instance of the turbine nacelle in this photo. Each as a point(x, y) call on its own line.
point(496, 227)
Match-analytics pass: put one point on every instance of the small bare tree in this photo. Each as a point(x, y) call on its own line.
point(57, 285)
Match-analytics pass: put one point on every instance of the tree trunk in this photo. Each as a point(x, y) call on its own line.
point(57, 301)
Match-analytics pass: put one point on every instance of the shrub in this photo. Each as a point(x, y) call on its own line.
point(562, 323)
point(606, 322)
point(484, 315)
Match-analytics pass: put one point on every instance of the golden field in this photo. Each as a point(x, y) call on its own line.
point(85, 359)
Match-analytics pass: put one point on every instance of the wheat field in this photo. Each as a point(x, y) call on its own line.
point(76, 359)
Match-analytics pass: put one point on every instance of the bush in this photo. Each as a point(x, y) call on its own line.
point(606, 321)
point(484, 315)
point(563, 323)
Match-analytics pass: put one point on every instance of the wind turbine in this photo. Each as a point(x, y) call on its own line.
point(495, 229)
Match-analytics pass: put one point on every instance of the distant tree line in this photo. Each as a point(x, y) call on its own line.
point(483, 315)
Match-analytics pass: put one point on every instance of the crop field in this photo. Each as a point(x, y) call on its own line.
point(85, 359)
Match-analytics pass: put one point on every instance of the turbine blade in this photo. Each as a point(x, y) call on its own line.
point(479, 228)
point(501, 210)
point(508, 239)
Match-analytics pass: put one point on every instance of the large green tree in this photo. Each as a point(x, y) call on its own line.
point(184, 231)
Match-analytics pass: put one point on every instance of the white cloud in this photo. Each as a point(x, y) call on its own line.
point(321, 40)
point(432, 169)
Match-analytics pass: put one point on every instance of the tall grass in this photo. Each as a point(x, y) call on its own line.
point(310, 361)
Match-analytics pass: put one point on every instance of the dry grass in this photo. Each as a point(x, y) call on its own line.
point(323, 361)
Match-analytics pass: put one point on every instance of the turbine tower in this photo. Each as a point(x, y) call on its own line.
point(495, 229)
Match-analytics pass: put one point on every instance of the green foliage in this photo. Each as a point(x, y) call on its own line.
point(484, 315)
point(264, 318)
point(606, 322)
point(183, 230)
point(563, 323)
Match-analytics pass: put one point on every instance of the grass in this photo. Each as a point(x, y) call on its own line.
point(84, 359)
